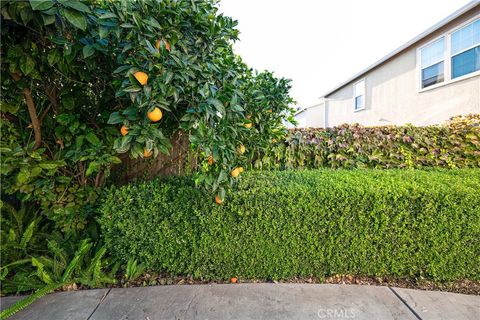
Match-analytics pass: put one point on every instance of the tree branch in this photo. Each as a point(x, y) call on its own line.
point(27, 93)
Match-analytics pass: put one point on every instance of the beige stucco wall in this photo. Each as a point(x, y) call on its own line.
point(312, 117)
point(393, 97)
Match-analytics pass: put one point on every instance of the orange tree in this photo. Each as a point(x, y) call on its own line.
point(84, 81)
point(176, 70)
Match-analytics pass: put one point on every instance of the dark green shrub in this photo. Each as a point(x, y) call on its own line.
point(300, 223)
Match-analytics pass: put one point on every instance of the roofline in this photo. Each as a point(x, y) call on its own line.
point(469, 6)
point(300, 111)
point(306, 108)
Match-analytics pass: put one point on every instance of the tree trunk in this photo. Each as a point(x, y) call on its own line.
point(27, 93)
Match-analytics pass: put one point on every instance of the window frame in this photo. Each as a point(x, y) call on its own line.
point(355, 95)
point(447, 65)
point(444, 58)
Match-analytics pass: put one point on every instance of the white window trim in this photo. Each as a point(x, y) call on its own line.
point(435, 61)
point(364, 95)
point(447, 64)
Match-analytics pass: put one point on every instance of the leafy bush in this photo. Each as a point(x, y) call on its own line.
point(74, 70)
point(35, 254)
point(282, 224)
point(455, 144)
point(71, 101)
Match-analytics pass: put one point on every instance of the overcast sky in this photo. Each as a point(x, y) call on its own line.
point(319, 44)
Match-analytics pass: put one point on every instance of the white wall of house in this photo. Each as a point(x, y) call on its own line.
point(312, 117)
point(393, 93)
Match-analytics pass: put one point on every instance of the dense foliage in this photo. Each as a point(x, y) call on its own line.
point(455, 144)
point(280, 224)
point(83, 81)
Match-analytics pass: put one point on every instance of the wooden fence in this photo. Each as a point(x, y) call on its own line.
point(175, 163)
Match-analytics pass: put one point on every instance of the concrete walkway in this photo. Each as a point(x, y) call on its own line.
point(252, 301)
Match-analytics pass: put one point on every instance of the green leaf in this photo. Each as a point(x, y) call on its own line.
point(115, 160)
point(168, 77)
point(77, 5)
point(93, 139)
point(132, 88)
point(121, 69)
point(84, 247)
point(26, 14)
point(92, 167)
point(35, 171)
point(154, 23)
point(48, 19)
point(107, 15)
point(88, 50)
point(22, 304)
point(8, 107)
point(27, 65)
point(76, 18)
point(217, 104)
point(103, 32)
point(50, 165)
point(27, 235)
point(127, 25)
point(4, 274)
point(41, 4)
point(153, 51)
point(23, 176)
point(41, 273)
point(115, 118)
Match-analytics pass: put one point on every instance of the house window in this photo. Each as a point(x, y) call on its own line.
point(466, 50)
point(359, 95)
point(432, 63)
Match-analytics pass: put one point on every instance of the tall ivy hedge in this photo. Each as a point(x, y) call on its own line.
point(280, 224)
point(455, 144)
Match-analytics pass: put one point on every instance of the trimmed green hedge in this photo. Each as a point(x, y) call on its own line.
point(403, 223)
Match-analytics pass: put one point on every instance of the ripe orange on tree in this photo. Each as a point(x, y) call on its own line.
point(155, 115)
point(210, 160)
point(241, 149)
point(124, 130)
point(218, 200)
point(235, 172)
point(141, 77)
point(248, 125)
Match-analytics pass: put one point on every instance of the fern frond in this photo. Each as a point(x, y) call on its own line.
point(95, 268)
point(22, 304)
point(41, 273)
point(22, 261)
point(84, 247)
point(59, 258)
point(59, 253)
point(27, 235)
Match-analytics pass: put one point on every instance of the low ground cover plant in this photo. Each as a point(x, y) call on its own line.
point(282, 224)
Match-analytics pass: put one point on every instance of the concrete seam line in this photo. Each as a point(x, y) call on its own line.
point(99, 303)
point(405, 303)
